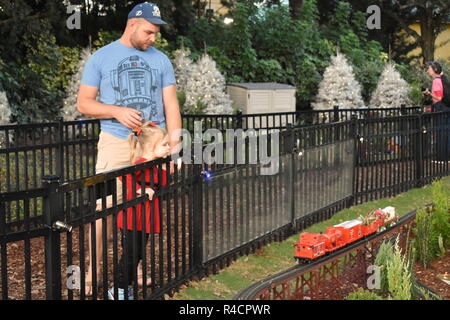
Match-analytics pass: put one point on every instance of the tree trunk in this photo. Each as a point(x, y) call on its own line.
point(428, 36)
point(294, 7)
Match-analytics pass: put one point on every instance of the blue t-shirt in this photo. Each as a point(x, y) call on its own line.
point(131, 78)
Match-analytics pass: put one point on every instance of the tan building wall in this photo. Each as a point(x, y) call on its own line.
point(219, 9)
point(442, 43)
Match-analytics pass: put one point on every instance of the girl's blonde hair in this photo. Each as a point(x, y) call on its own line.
point(148, 135)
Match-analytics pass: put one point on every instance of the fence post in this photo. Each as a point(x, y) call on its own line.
point(421, 130)
point(60, 149)
point(353, 134)
point(403, 111)
point(292, 150)
point(197, 219)
point(336, 113)
point(239, 119)
point(52, 240)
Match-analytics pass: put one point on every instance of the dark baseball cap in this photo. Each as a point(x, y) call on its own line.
point(147, 10)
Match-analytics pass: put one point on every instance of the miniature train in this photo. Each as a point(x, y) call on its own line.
point(314, 245)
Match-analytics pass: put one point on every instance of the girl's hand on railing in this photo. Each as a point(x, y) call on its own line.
point(149, 191)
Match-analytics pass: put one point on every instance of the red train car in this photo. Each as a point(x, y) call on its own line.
point(314, 245)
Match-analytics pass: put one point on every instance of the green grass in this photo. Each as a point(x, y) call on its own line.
point(277, 257)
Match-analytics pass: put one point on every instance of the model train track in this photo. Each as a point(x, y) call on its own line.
point(255, 289)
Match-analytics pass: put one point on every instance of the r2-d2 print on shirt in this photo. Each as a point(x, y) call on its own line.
point(135, 84)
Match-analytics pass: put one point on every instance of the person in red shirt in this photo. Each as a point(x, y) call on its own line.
point(437, 88)
point(442, 141)
point(154, 144)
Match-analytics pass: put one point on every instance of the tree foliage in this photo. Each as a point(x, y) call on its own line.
point(431, 15)
point(269, 41)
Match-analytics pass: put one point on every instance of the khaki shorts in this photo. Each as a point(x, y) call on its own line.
point(112, 153)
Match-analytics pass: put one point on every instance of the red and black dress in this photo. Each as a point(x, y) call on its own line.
point(151, 175)
point(130, 259)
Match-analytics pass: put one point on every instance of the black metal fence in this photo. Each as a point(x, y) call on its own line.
point(29, 152)
point(208, 214)
point(299, 118)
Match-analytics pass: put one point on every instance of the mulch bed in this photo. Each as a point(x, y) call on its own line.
point(429, 275)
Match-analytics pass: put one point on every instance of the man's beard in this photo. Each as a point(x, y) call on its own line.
point(139, 45)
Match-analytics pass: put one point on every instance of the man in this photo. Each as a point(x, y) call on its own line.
point(136, 83)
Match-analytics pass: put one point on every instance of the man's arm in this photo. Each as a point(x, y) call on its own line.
point(173, 116)
point(88, 105)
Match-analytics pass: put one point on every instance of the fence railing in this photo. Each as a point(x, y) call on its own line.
point(29, 152)
point(208, 214)
point(68, 149)
point(280, 120)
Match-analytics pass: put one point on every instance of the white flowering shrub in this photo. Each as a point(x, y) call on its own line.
point(339, 86)
point(203, 85)
point(392, 91)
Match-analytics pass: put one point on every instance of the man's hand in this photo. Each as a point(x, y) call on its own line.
point(129, 117)
point(88, 105)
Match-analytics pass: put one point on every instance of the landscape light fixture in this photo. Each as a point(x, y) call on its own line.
point(207, 175)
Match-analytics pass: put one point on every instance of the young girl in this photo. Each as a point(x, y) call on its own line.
point(154, 144)
point(149, 136)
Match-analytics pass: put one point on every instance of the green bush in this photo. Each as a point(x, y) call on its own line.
point(385, 254)
point(361, 294)
point(68, 64)
point(417, 78)
point(433, 226)
point(268, 45)
point(346, 29)
point(32, 83)
point(399, 275)
point(422, 231)
point(104, 38)
point(9, 84)
point(441, 216)
point(426, 294)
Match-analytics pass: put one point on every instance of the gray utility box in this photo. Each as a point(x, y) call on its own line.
point(263, 98)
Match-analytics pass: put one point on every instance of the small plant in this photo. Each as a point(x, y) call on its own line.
point(385, 254)
point(433, 226)
point(441, 222)
point(361, 294)
point(442, 250)
point(399, 275)
point(411, 251)
point(423, 239)
point(428, 295)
